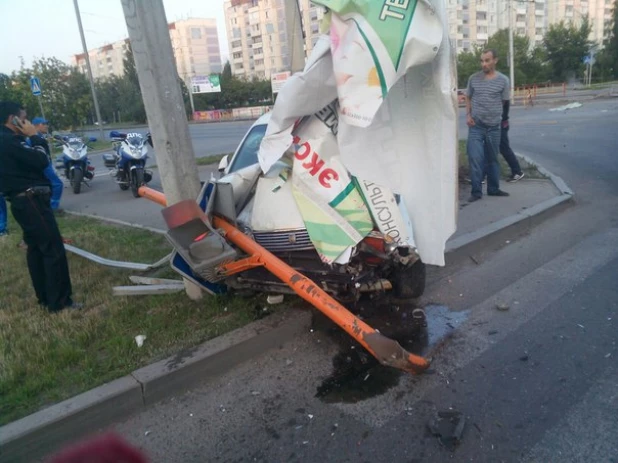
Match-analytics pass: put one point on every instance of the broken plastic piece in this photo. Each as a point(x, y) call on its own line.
point(275, 299)
point(139, 340)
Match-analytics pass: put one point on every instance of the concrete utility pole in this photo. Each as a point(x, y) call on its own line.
point(94, 93)
point(294, 30)
point(167, 119)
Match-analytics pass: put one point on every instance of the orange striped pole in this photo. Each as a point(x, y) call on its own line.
point(387, 351)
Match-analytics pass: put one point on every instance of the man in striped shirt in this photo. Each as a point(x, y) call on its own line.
point(487, 92)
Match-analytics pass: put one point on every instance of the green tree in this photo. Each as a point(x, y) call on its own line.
point(65, 92)
point(529, 65)
point(132, 107)
point(566, 46)
point(467, 64)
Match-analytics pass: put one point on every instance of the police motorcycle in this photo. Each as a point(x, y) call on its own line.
point(127, 163)
point(73, 162)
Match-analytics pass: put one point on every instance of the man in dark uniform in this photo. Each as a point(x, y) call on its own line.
point(24, 184)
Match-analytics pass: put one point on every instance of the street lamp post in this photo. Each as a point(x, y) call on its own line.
point(94, 93)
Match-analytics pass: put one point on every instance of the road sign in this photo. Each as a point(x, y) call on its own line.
point(35, 85)
point(278, 79)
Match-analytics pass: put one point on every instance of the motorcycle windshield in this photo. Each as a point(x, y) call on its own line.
point(135, 142)
point(76, 145)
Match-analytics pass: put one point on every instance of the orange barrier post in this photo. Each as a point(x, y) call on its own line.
point(387, 351)
point(153, 195)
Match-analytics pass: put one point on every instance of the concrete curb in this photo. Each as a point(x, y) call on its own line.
point(566, 194)
point(37, 435)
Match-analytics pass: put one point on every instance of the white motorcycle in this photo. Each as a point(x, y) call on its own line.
point(128, 162)
point(74, 161)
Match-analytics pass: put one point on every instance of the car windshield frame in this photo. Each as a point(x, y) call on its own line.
point(247, 154)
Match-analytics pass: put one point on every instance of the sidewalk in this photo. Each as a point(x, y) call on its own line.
point(524, 195)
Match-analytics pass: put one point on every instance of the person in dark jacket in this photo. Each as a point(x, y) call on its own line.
point(24, 184)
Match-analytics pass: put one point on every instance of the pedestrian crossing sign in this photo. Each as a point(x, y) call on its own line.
point(35, 85)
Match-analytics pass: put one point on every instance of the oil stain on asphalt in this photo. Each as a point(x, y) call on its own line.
point(357, 375)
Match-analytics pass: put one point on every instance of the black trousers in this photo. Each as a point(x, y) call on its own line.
point(47, 260)
point(507, 153)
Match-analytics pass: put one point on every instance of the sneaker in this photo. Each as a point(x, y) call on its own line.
point(515, 178)
point(498, 193)
point(473, 198)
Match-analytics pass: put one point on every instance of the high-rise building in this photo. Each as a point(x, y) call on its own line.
point(573, 11)
point(472, 22)
point(196, 48)
point(105, 61)
point(258, 39)
point(195, 43)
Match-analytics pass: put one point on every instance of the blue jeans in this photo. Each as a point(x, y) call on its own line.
point(56, 186)
point(483, 148)
point(3, 214)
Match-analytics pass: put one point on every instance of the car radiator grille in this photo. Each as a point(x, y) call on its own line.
point(284, 241)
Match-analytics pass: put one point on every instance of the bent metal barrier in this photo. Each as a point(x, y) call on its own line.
point(387, 351)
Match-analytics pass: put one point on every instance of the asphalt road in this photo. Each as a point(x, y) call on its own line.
point(535, 383)
point(208, 139)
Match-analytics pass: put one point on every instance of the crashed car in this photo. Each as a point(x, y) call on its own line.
point(267, 209)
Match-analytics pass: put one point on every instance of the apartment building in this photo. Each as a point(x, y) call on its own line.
point(599, 13)
point(472, 22)
point(105, 61)
point(196, 48)
point(195, 43)
point(258, 37)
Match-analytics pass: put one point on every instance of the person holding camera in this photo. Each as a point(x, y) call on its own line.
point(24, 184)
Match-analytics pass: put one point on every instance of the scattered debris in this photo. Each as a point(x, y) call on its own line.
point(492, 332)
point(508, 241)
point(524, 358)
point(305, 442)
point(275, 299)
point(310, 416)
point(581, 326)
point(147, 290)
point(608, 355)
point(502, 307)
point(139, 339)
point(190, 414)
point(153, 281)
point(448, 425)
point(288, 362)
point(147, 433)
point(566, 107)
point(473, 260)
point(255, 392)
